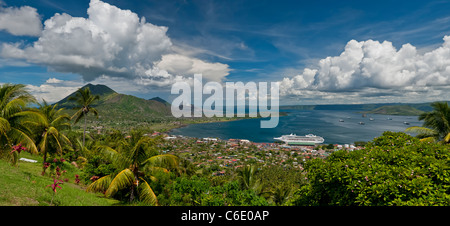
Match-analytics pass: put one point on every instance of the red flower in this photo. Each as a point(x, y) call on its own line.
point(58, 171)
point(18, 148)
point(46, 165)
point(94, 178)
point(55, 184)
point(77, 180)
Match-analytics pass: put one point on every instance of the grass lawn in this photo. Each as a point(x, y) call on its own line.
point(23, 185)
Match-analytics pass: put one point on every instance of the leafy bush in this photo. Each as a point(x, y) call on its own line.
point(199, 191)
point(394, 169)
point(98, 166)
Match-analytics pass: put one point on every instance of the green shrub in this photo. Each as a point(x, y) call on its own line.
point(97, 166)
point(394, 169)
point(199, 191)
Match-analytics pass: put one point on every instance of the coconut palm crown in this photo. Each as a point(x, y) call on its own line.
point(137, 159)
point(15, 116)
point(84, 100)
point(436, 124)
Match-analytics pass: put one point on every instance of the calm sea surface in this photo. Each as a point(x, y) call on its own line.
point(324, 123)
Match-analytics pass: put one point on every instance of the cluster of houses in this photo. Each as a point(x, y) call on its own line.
point(220, 156)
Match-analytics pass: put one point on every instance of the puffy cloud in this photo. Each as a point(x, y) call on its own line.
point(20, 21)
point(371, 65)
point(53, 89)
point(179, 64)
point(111, 42)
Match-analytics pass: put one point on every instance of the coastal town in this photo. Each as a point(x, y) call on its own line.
point(218, 157)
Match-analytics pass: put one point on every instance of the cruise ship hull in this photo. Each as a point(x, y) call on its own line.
point(293, 139)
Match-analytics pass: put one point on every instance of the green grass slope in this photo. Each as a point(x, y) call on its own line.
point(25, 186)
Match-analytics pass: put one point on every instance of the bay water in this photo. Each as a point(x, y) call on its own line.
point(335, 126)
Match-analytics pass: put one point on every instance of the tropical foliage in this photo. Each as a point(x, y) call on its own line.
point(84, 99)
point(15, 117)
point(136, 159)
point(49, 137)
point(436, 126)
point(394, 169)
point(137, 167)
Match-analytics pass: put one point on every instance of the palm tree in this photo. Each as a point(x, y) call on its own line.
point(282, 193)
point(14, 117)
point(84, 99)
point(249, 179)
point(436, 124)
point(50, 138)
point(136, 158)
point(247, 176)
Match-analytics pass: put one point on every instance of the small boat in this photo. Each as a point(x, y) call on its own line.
point(371, 119)
point(406, 123)
point(341, 120)
point(389, 119)
point(362, 123)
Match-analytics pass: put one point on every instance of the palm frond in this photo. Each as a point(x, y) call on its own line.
point(421, 130)
point(168, 160)
point(122, 180)
point(44, 144)
point(55, 134)
point(153, 169)
point(13, 106)
point(146, 194)
point(63, 138)
point(61, 121)
point(25, 117)
point(83, 149)
point(447, 138)
point(429, 139)
point(100, 185)
point(19, 136)
point(95, 111)
point(78, 115)
point(108, 151)
point(4, 126)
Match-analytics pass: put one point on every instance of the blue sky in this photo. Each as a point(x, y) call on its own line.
point(305, 45)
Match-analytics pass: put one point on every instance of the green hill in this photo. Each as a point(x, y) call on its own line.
point(121, 111)
point(121, 104)
point(101, 90)
point(159, 99)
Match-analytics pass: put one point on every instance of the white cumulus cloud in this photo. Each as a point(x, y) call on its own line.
point(111, 42)
point(53, 90)
point(373, 68)
point(20, 21)
point(179, 64)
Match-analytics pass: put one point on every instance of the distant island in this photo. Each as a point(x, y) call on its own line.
point(406, 109)
point(395, 110)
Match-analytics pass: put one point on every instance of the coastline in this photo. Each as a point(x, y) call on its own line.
point(221, 119)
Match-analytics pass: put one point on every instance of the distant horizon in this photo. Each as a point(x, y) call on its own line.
point(387, 103)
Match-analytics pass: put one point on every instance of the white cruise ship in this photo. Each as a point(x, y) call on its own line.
point(309, 139)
